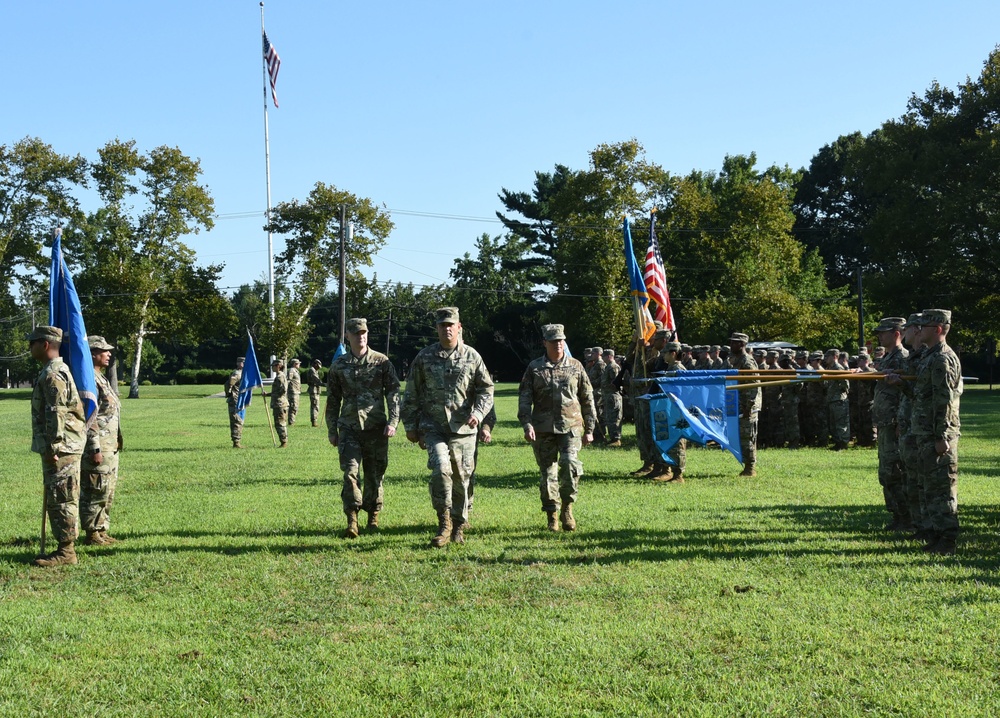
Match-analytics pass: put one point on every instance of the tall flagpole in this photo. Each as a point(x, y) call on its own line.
point(267, 166)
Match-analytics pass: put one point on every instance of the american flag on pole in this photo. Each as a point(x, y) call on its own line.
point(655, 279)
point(273, 65)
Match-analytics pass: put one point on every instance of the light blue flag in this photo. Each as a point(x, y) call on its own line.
point(340, 351)
point(250, 380)
point(696, 406)
point(65, 312)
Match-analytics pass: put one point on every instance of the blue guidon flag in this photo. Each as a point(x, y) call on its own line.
point(65, 312)
point(249, 381)
point(695, 405)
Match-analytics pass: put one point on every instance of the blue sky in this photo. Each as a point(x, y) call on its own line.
point(431, 108)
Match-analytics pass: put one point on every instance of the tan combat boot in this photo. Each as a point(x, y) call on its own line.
point(643, 470)
point(568, 522)
point(352, 525)
point(458, 532)
point(748, 470)
point(106, 538)
point(443, 537)
point(65, 555)
point(237, 445)
point(553, 521)
point(677, 477)
point(661, 472)
point(373, 520)
point(94, 538)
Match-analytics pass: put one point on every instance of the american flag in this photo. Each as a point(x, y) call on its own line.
point(273, 65)
point(655, 279)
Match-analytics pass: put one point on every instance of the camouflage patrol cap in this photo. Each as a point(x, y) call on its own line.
point(597, 351)
point(912, 321)
point(739, 337)
point(758, 352)
point(317, 363)
point(672, 347)
point(553, 332)
point(357, 325)
point(715, 348)
point(446, 315)
point(277, 362)
point(890, 324)
point(660, 333)
point(685, 347)
point(295, 362)
point(835, 352)
point(773, 354)
point(801, 354)
point(815, 356)
point(862, 350)
point(658, 324)
point(43, 332)
point(935, 317)
point(609, 352)
point(241, 359)
point(98, 343)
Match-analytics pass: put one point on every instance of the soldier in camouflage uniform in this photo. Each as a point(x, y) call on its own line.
point(362, 412)
point(484, 436)
point(99, 465)
point(232, 391)
point(646, 362)
point(595, 372)
point(448, 394)
point(294, 389)
point(58, 433)
point(771, 430)
point(885, 409)
point(662, 471)
point(838, 410)
point(279, 401)
point(816, 431)
point(556, 409)
point(612, 399)
point(865, 397)
point(749, 403)
point(790, 397)
point(937, 427)
point(908, 451)
point(686, 358)
point(315, 384)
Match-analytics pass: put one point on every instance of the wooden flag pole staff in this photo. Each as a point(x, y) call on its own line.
point(868, 376)
point(267, 413)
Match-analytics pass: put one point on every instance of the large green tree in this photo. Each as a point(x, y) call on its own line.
point(311, 258)
point(573, 221)
point(734, 264)
point(138, 278)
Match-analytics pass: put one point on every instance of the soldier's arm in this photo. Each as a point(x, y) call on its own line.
point(524, 400)
point(57, 396)
point(409, 407)
point(334, 396)
point(483, 385)
point(585, 395)
point(390, 386)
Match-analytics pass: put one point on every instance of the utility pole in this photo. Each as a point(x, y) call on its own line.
point(861, 311)
point(343, 269)
point(388, 332)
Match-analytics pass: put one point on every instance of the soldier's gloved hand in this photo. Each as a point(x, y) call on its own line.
point(412, 436)
point(334, 438)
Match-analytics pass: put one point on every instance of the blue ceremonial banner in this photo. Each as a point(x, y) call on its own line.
point(65, 312)
point(250, 380)
point(338, 353)
point(696, 406)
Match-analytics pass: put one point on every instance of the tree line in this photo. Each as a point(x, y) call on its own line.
point(911, 209)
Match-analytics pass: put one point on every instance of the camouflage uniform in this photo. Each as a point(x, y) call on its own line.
point(556, 399)
point(315, 383)
point(749, 407)
point(595, 372)
point(838, 409)
point(643, 428)
point(936, 397)
point(294, 391)
point(489, 422)
point(359, 391)
point(612, 401)
point(232, 391)
point(279, 406)
point(815, 425)
point(913, 480)
point(443, 390)
point(791, 395)
point(98, 481)
point(58, 428)
point(885, 412)
point(678, 452)
point(771, 430)
point(864, 395)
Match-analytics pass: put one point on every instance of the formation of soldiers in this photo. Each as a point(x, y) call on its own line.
point(563, 405)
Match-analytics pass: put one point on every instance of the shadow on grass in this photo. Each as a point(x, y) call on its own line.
point(15, 395)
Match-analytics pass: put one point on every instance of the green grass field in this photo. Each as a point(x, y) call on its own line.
point(232, 592)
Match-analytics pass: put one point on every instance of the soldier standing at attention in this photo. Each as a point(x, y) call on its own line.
point(790, 397)
point(612, 399)
point(232, 390)
point(838, 409)
point(595, 372)
point(648, 362)
point(865, 431)
point(315, 383)
point(448, 394)
point(885, 408)
point(58, 433)
point(556, 409)
point(909, 452)
point(749, 403)
point(99, 466)
point(279, 401)
point(936, 426)
point(294, 389)
point(361, 416)
point(669, 361)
